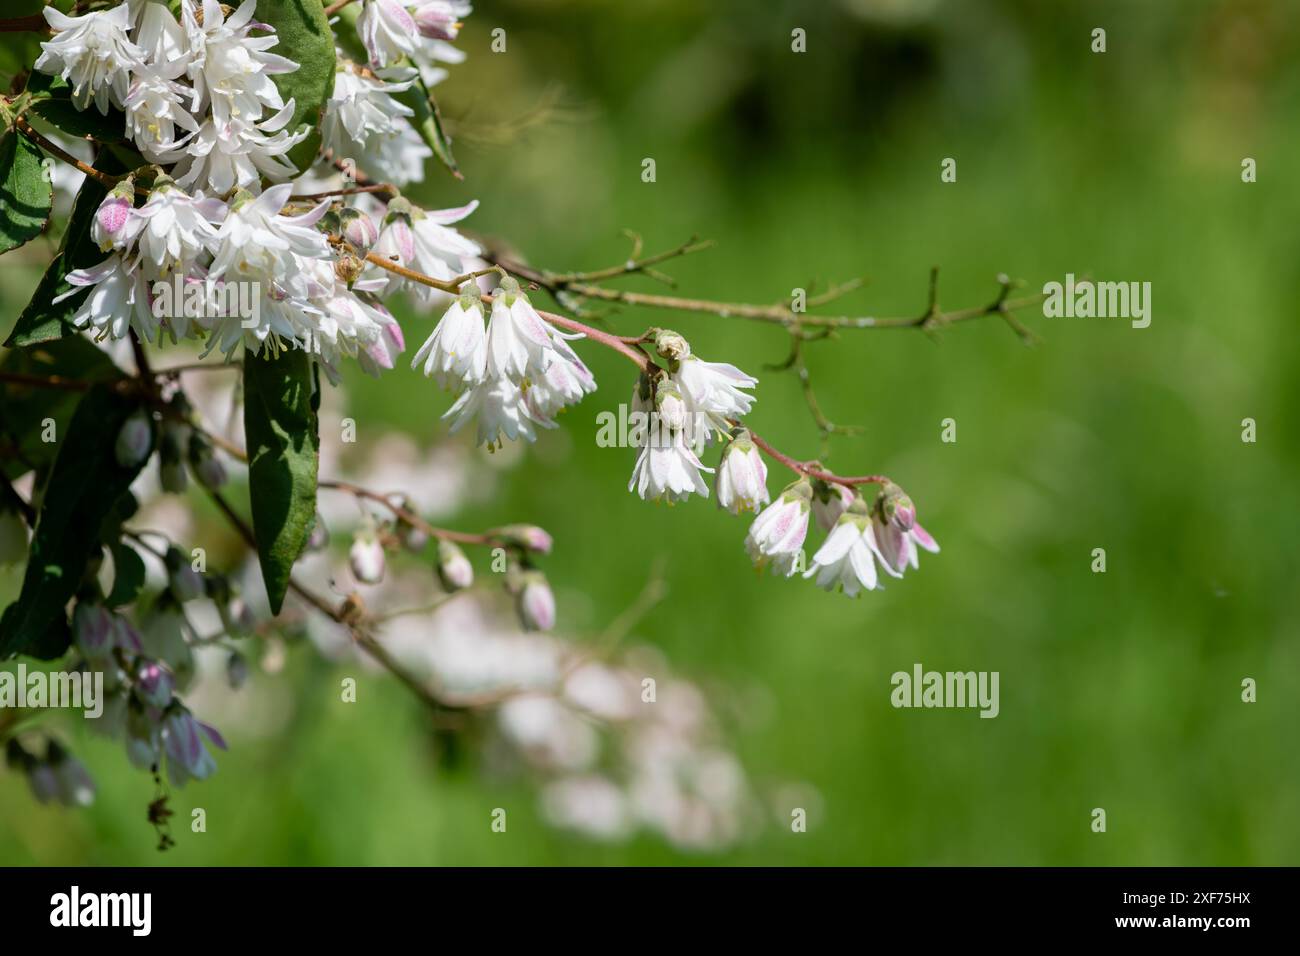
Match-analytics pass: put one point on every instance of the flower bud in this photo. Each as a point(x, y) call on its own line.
point(742, 476)
point(896, 507)
point(366, 557)
point(208, 468)
point(454, 570)
point(74, 786)
point(535, 602)
point(186, 584)
point(670, 345)
point(111, 227)
point(92, 631)
point(671, 406)
point(153, 684)
point(527, 536)
point(828, 502)
point(358, 229)
point(134, 441)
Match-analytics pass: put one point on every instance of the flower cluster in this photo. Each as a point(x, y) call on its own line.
point(516, 373)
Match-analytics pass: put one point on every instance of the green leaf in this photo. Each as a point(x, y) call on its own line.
point(306, 38)
point(428, 123)
point(128, 575)
point(42, 320)
point(85, 487)
point(280, 424)
point(52, 102)
point(29, 414)
point(25, 191)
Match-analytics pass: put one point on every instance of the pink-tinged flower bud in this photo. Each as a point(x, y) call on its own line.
point(134, 441)
point(454, 570)
point(187, 757)
point(366, 558)
point(359, 230)
point(527, 536)
point(896, 507)
point(171, 455)
point(44, 782)
point(535, 602)
point(92, 631)
point(153, 684)
point(742, 476)
point(186, 584)
point(111, 227)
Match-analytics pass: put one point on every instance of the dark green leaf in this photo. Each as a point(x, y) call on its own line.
point(306, 38)
point(283, 453)
point(25, 191)
point(30, 413)
point(84, 488)
point(52, 102)
point(43, 320)
point(128, 575)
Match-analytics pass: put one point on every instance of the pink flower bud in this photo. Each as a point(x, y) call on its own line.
point(154, 684)
point(111, 224)
point(92, 630)
point(454, 569)
point(359, 230)
point(536, 603)
point(527, 536)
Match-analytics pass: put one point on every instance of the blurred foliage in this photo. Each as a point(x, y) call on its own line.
point(1119, 690)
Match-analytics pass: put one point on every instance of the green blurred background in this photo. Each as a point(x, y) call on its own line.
point(1118, 690)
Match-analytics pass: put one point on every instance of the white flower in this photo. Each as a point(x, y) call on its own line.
point(118, 302)
point(153, 111)
point(361, 107)
point(398, 158)
point(231, 68)
point(667, 469)
point(564, 383)
point(388, 31)
point(501, 410)
point(714, 389)
point(776, 536)
point(519, 341)
point(421, 240)
point(93, 54)
point(236, 154)
point(742, 477)
point(439, 19)
point(456, 353)
point(848, 555)
point(255, 240)
point(381, 354)
point(155, 31)
point(174, 229)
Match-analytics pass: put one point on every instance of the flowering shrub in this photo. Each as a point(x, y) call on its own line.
point(237, 186)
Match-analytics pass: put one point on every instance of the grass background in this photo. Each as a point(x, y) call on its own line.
point(1119, 690)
